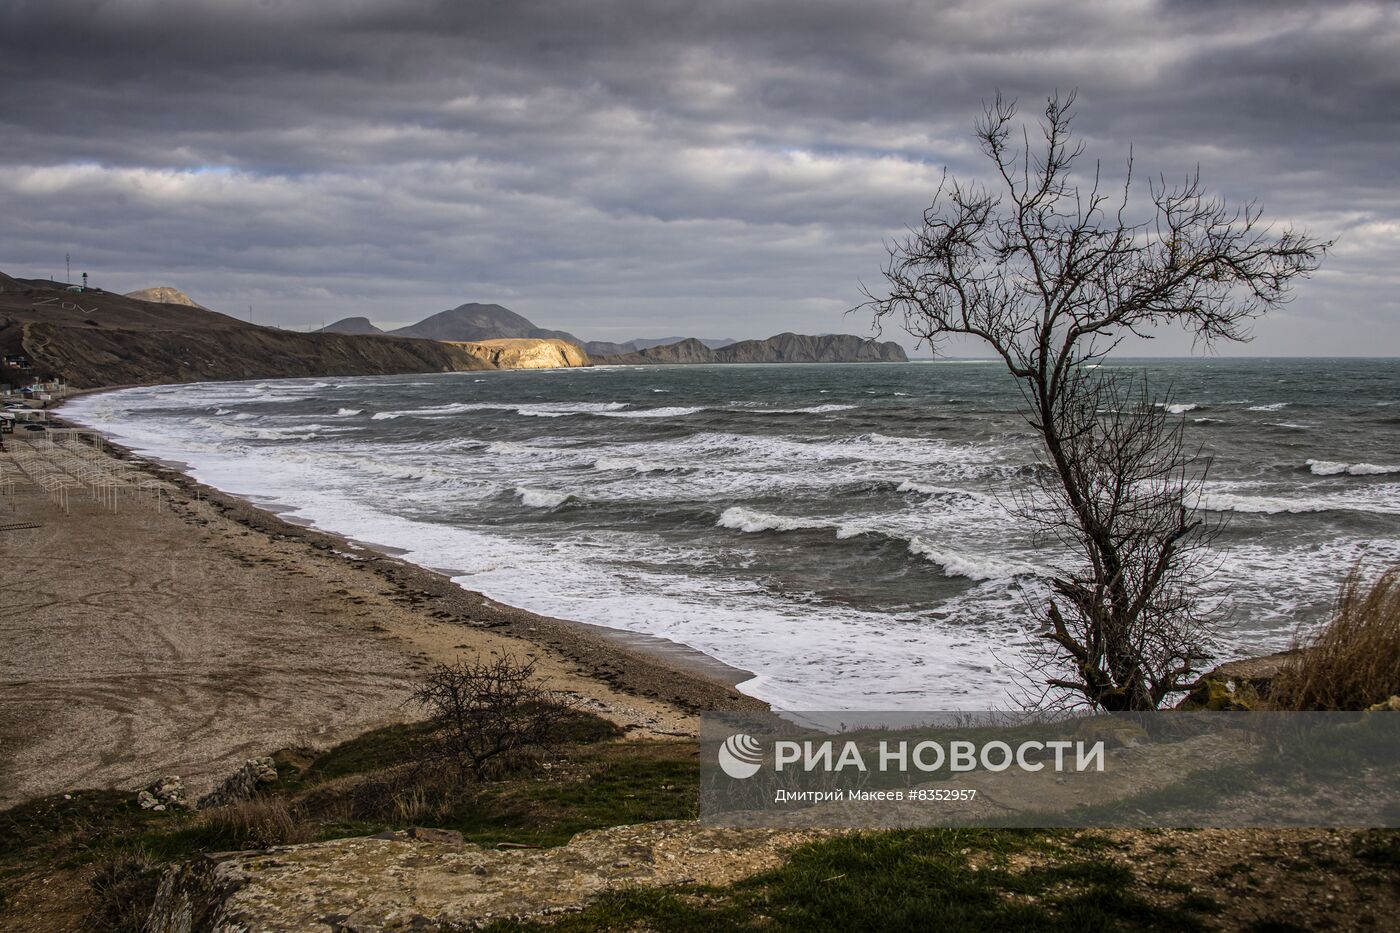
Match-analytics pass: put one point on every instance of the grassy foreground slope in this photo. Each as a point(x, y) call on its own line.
point(91, 860)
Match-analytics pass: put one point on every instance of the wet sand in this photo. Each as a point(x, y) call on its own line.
point(185, 633)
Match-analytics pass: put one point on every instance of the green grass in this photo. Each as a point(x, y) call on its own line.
point(926, 879)
point(604, 781)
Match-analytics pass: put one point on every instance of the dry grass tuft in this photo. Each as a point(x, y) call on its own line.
point(401, 795)
point(123, 890)
point(258, 824)
point(1354, 660)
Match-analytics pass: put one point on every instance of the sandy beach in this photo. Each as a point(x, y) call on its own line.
point(186, 631)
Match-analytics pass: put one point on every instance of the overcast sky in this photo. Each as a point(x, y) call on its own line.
point(619, 170)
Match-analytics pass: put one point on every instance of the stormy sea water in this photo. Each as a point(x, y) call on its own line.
point(840, 531)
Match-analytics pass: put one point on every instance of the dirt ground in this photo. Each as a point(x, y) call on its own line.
point(186, 631)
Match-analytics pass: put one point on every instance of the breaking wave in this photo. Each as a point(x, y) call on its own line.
point(1337, 468)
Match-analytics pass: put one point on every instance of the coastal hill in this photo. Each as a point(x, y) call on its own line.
point(165, 294)
point(351, 325)
point(473, 321)
point(784, 348)
point(98, 338)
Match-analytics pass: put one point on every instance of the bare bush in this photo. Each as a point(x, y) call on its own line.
point(489, 717)
point(1353, 661)
point(1052, 272)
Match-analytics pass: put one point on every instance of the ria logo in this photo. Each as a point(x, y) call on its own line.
point(740, 756)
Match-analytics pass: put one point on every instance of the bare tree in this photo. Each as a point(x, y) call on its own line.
point(1053, 273)
point(488, 714)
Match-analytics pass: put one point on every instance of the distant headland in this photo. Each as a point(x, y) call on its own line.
point(89, 338)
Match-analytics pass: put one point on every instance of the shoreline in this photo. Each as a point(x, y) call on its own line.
point(179, 630)
point(558, 633)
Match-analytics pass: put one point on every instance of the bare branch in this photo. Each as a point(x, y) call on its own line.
point(1041, 272)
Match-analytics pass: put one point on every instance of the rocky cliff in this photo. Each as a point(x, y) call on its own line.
point(783, 348)
point(165, 294)
point(523, 353)
point(99, 338)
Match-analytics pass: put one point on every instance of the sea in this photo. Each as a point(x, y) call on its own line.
point(841, 532)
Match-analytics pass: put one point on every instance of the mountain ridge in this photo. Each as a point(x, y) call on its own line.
point(781, 348)
point(476, 322)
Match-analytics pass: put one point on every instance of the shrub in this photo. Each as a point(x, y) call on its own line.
point(1353, 661)
point(488, 717)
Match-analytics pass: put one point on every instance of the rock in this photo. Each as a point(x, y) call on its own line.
point(411, 883)
point(166, 794)
point(526, 353)
point(1213, 695)
point(1391, 705)
point(165, 294)
point(242, 784)
point(1256, 673)
point(444, 836)
point(1238, 685)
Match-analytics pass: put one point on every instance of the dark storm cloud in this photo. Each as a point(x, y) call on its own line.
point(622, 169)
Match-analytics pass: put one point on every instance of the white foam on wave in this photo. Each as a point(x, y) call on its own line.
point(810, 410)
point(1265, 505)
point(349, 412)
point(561, 409)
point(635, 465)
point(1181, 408)
point(1276, 406)
point(1371, 469)
point(980, 567)
point(1338, 468)
point(751, 521)
point(1276, 498)
point(930, 489)
point(542, 498)
point(675, 411)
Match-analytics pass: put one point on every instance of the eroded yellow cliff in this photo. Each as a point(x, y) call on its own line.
point(525, 353)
